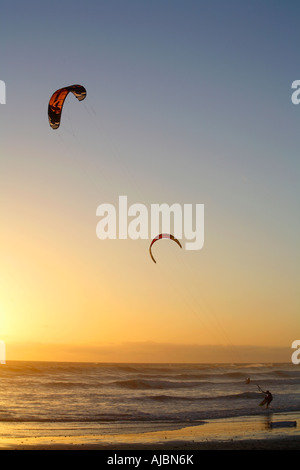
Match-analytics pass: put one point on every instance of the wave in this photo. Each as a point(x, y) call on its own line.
point(244, 395)
point(76, 385)
point(287, 373)
point(183, 417)
point(153, 384)
point(105, 384)
point(142, 384)
point(172, 370)
point(149, 384)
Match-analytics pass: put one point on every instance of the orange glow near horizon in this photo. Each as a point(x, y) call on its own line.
point(82, 292)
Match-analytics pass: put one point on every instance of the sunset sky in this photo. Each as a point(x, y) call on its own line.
point(187, 102)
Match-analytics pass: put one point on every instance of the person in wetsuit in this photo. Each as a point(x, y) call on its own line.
point(268, 398)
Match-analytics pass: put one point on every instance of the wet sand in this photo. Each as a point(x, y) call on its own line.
point(248, 433)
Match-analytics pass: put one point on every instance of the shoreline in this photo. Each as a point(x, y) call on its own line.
point(243, 433)
point(288, 444)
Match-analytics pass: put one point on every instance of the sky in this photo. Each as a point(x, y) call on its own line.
point(188, 102)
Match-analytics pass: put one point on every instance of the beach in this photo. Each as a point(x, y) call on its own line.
point(243, 433)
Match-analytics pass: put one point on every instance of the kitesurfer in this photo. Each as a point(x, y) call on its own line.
point(268, 398)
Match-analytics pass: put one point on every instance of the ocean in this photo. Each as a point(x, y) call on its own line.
point(118, 398)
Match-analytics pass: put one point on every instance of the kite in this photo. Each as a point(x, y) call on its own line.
point(57, 101)
point(162, 235)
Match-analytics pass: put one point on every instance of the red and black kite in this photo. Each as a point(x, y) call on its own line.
point(57, 101)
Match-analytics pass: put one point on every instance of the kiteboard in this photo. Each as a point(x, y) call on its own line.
point(263, 402)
